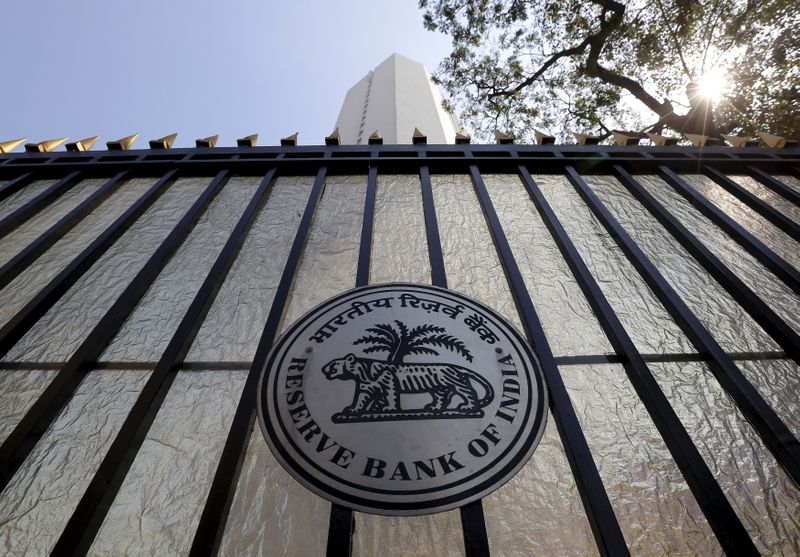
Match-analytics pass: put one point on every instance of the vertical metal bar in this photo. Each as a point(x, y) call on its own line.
point(752, 245)
point(88, 516)
point(341, 524)
point(601, 516)
point(47, 407)
point(730, 532)
point(776, 436)
point(775, 185)
point(473, 523)
point(20, 262)
point(768, 212)
point(38, 203)
point(215, 512)
point(13, 186)
point(770, 321)
point(24, 319)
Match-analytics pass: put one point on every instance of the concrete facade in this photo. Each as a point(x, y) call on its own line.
point(394, 98)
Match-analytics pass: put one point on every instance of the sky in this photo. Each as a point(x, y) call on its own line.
point(111, 68)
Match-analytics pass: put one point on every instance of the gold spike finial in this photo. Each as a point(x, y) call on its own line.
point(462, 139)
point(777, 141)
point(662, 140)
point(45, 146)
point(419, 138)
point(544, 138)
point(376, 138)
point(503, 138)
point(290, 141)
point(209, 141)
point(247, 141)
point(11, 144)
point(334, 138)
point(699, 140)
point(83, 144)
point(739, 141)
point(122, 144)
point(627, 138)
point(163, 142)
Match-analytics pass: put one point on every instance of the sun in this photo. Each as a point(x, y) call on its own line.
point(713, 85)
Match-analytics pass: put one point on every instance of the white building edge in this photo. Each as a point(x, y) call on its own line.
point(393, 99)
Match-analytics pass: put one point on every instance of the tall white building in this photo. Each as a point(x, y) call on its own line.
point(394, 98)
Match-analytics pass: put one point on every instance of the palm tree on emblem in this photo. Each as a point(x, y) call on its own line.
point(401, 342)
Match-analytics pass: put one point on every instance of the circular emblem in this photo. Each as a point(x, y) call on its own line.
point(402, 399)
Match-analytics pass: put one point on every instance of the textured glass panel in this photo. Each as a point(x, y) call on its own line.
point(758, 226)
point(779, 383)
point(539, 511)
point(400, 253)
point(731, 325)
point(19, 389)
point(568, 320)
point(158, 506)
point(234, 324)
point(22, 289)
point(779, 297)
point(36, 504)
point(272, 513)
point(762, 495)
point(790, 181)
point(655, 508)
point(31, 229)
point(771, 198)
point(399, 246)
point(148, 330)
point(642, 315)
point(61, 330)
point(20, 198)
point(526, 515)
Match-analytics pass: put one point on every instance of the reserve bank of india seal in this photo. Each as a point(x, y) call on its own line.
point(402, 399)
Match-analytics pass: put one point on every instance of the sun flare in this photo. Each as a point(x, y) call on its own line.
point(713, 84)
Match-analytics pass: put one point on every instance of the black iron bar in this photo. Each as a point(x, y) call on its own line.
point(38, 203)
point(341, 524)
point(764, 315)
point(776, 436)
point(47, 407)
point(752, 201)
point(599, 511)
point(215, 512)
point(88, 516)
point(775, 185)
point(30, 253)
point(730, 532)
point(13, 186)
point(473, 522)
point(24, 319)
point(752, 245)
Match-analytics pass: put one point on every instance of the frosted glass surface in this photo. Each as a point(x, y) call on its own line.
point(21, 197)
point(568, 320)
point(473, 267)
point(19, 389)
point(758, 226)
point(399, 245)
point(778, 381)
point(22, 289)
point(771, 198)
point(159, 504)
point(236, 320)
point(646, 321)
point(31, 229)
point(772, 290)
point(790, 181)
point(148, 330)
point(328, 266)
point(762, 495)
point(37, 503)
point(656, 510)
point(62, 329)
point(732, 326)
